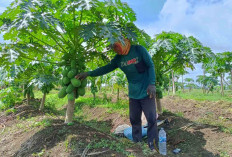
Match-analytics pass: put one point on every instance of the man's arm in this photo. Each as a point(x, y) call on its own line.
point(105, 69)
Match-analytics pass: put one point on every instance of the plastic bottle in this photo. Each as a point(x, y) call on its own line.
point(162, 142)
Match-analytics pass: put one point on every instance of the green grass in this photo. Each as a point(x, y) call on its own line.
point(197, 94)
point(102, 102)
point(113, 145)
point(224, 154)
point(52, 99)
point(9, 111)
point(45, 123)
point(179, 114)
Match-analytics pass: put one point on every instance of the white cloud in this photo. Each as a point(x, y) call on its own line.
point(209, 21)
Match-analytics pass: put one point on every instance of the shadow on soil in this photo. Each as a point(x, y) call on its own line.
point(185, 135)
point(74, 139)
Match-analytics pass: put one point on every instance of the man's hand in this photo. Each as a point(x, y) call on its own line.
point(151, 90)
point(81, 76)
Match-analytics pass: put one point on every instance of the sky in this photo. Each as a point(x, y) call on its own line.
point(210, 21)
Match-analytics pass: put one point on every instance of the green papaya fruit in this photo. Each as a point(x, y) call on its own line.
point(68, 68)
point(66, 80)
point(75, 82)
point(81, 91)
point(62, 93)
point(61, 82)
point(71, 96)
point(84, 83)
point(65, 72)
point(72, 73)
point(70, 88)
point(73, 64)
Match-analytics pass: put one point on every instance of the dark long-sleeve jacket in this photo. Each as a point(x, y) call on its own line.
point(138, 67)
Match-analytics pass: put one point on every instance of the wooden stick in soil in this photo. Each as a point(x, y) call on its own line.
point(97, 153)
point(85, 151)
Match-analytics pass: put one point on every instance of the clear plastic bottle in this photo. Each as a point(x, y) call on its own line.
point(162, 142)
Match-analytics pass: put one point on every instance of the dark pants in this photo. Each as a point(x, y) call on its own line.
point(147, 105)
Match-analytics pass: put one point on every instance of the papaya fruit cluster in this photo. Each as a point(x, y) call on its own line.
point(47, 88)
point(71, 86)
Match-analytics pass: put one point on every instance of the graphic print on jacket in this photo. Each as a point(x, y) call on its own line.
point(132, 61)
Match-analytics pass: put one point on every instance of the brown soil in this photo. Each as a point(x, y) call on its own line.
point(192, 132)
point(100, 114)
point(19, 137)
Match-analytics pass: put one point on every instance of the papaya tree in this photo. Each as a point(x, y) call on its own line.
point(202, 81)
point(172, 51)
point(45, 79)
point(17, 71)
point(10, 92)
point(96, 82)
point(206, 64)
point(211, 82)
point(229, 79)
point(72, 32)
point(228, 64)
point(181, 72)
point(25, 77)
point(93, 88)
point(119, 81)
point(190, 83)
point(29, 73)
point(217, 67)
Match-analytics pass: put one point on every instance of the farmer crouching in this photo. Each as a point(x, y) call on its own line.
point(136, 63)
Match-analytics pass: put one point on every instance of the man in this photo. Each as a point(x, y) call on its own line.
point(136, 63)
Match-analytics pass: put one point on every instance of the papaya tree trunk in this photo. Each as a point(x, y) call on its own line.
point(94, 97)
point(28, 98)
point(231, 78)
point(23, 89)
point(173, 84)
point(159, 107)
point(70, 110)
point(42, 102)
point(112, 90)
point(118, 95)
point(203, 87)
point(222, 86)
point(169, 86)
point(183, 83)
